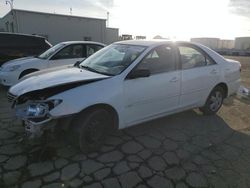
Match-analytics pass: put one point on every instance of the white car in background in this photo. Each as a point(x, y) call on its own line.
point(124, 84)
point(65, 53)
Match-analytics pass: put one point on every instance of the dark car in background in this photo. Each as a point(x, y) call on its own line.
point(13, 45)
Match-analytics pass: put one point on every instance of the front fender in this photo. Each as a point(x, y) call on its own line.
point(75, 100)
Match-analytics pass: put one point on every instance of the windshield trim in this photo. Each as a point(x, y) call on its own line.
point(56, 51)
point(93, 70)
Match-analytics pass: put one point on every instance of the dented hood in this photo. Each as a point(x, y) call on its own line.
point(55, 78)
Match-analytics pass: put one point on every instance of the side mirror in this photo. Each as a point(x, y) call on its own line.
point(138, 73)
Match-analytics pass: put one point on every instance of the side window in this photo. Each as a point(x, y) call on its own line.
point(159, 60)
point(70, 52)
point(191, 58)
point(77, 51)
point(91, 49)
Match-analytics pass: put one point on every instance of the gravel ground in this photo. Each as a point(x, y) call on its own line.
point(182, 150)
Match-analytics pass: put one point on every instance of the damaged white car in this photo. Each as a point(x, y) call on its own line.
point(124, 84)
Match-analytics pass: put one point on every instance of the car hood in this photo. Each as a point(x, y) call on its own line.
point(43, 71)
point(20, 61)
point(55, 78)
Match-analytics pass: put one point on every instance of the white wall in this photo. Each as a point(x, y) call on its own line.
point(209, 42)
point(10, 19)
point(242, 43)
point(112, 35)
point(60, 28)
point(2, 25)
point(226, 44)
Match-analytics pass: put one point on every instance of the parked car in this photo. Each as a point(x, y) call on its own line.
point(14, 45)
point(65, 53)
point(124, 84)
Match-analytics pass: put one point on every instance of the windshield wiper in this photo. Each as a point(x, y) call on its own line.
point(94, 70)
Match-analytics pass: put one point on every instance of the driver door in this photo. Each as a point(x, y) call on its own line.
point(69, 55)
point(157, 94)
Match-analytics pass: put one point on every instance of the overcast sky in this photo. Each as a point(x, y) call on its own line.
point(180, 19)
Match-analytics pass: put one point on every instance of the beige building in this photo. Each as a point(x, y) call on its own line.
point(126, 37)
point(57, 28)
point(209, 42)
point(242, 43)
point(139, 37)
point(226, 44)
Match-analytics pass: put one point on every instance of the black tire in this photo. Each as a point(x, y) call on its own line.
point(214, 101)
point(90, 129)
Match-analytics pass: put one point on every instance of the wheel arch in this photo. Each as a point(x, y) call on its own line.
point(224, 87)
point(107, 107)
point(27, 71)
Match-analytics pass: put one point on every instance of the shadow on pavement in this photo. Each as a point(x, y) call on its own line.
point(186, 149)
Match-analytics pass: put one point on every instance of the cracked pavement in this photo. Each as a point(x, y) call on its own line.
point(182, 150)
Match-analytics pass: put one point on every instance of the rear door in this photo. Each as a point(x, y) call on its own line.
point(200, 73)
point(157, 94)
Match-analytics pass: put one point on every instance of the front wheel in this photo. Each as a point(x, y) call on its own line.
point(91, 128)
point(214, 101)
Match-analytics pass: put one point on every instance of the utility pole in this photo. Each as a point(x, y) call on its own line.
point(11, 3)
point(107, 24)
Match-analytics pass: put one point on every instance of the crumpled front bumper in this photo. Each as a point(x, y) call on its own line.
point(36, 130)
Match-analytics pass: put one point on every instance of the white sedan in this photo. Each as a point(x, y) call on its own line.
point(65, 53)
point(124, 84)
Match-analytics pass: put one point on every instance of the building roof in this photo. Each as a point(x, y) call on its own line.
point(53, 14)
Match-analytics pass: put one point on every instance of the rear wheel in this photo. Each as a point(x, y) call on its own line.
point(214, 101)
point(91, 128)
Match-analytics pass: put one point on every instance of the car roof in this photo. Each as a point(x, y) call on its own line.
point(21, 34)
point(143, 42)
point(83, 42)
point(152, 42)
point(155, 43)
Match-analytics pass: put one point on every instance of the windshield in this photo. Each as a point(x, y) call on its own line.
point(113, 59)
point(49, 52)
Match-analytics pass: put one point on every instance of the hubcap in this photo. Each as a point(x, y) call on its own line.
point(94, 131)
point(216, 101)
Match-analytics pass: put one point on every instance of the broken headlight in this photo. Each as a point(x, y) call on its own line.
point(37, 109)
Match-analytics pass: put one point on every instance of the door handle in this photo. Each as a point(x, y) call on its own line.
point(214, 71)
point(175, 79)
